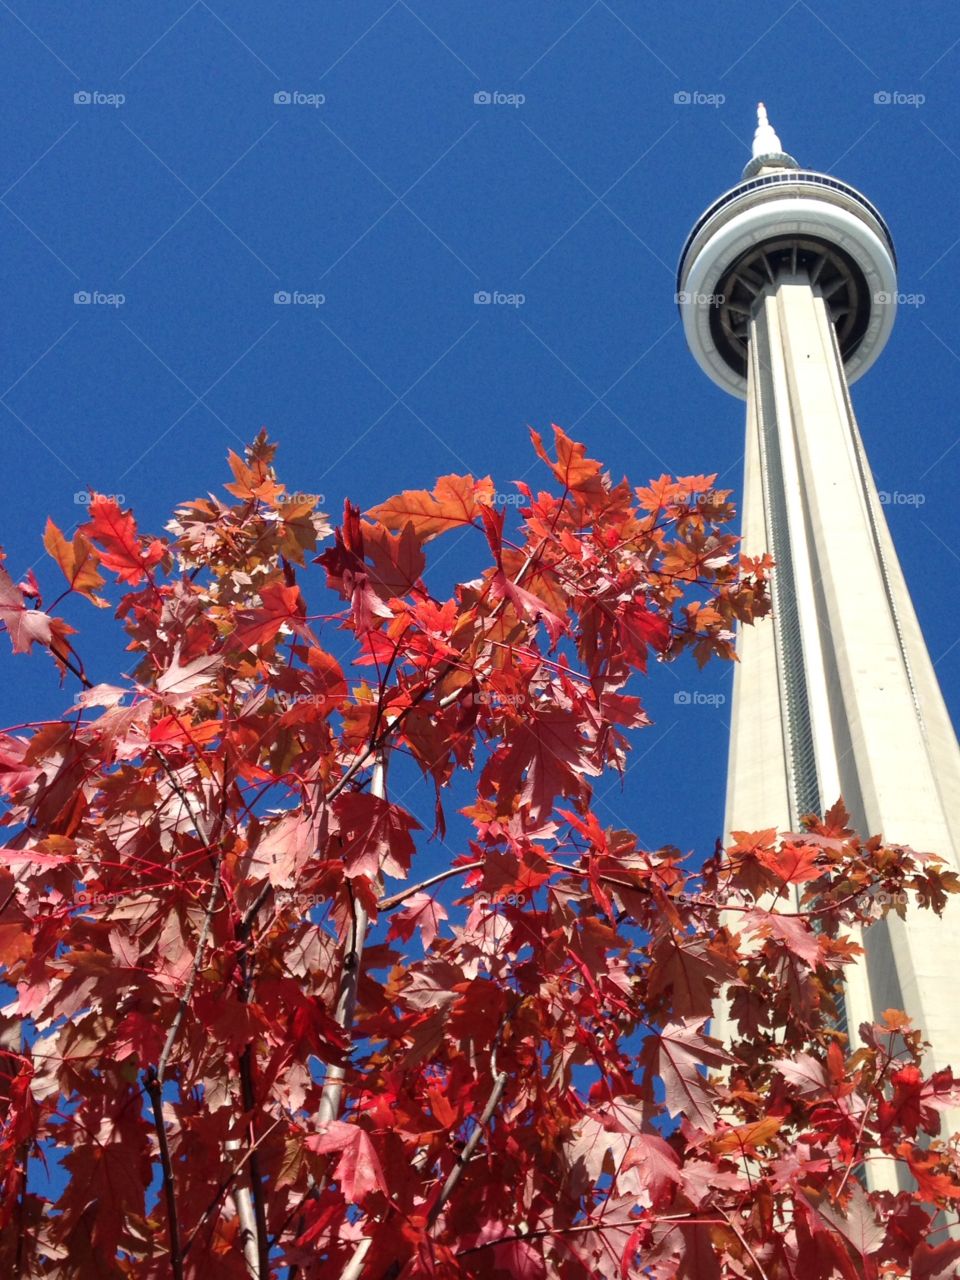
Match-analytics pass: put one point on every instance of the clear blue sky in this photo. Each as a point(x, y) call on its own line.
point(199, 197)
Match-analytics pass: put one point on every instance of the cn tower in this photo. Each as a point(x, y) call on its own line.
point(787, 288)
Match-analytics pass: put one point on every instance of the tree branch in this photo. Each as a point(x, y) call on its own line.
point(355, 1266)
point(736, 1231)
point(243, 1203)
point(581, 1228)
point(194, 969)
point(155, 1090)
point(387, 904)
point(376, 746)
point(332, 1095)
point(456, 1173)
point(224, 1187)
point(329, 1107)
point(874, 1093)
point(156, 1077)
point(207, 837)
point(256, 1178)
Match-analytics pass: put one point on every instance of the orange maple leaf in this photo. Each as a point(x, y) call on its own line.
point(572, 468)
point(454, 502)
point(78, 560)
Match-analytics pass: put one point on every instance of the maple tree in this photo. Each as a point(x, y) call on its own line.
point(251, 1038)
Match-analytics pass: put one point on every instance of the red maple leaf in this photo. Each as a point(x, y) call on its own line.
point(115, 533)
point(358, 1168)
point(279, 605)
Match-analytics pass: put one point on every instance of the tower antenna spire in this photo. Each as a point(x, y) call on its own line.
point(765, 139)
point(768, 152)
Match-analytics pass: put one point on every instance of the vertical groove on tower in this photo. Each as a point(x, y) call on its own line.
point(805, 792)
point(788, 640)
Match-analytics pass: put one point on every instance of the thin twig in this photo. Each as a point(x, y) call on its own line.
point(332, 1094)
point(330, 1099)
point(224, 1187)
point(851, 1163)
point(736, 1231)
point(377, 742)
point(496, 1093)
point(580, 1228)
point(246, 924)
point(194, 970)
point(155, 1077)
point(207, 837)
point(378, 751)
point(387, 904)
point(456, 1173)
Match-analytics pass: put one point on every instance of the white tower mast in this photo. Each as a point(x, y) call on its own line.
point(787, 293)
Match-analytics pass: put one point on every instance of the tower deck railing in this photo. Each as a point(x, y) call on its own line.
point(786, 178)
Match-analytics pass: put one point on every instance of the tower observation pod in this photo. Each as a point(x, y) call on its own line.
point(787, 290)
